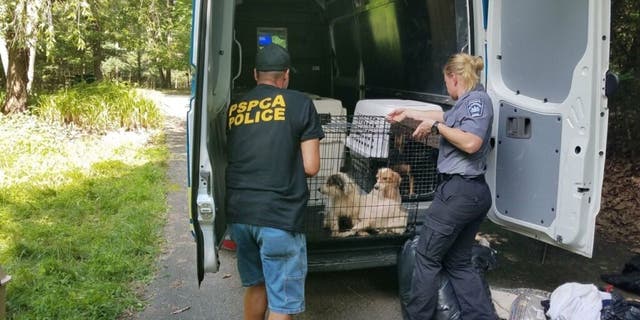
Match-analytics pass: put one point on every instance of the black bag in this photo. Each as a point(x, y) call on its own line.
point(483, 259)
point(620, 309)
point(629, 279)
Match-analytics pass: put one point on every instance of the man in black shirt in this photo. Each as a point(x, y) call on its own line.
point(273, 144)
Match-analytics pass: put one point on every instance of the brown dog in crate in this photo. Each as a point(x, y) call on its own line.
point(388, 184)
point(344, 203)
point(400, 158)
point(381, 210)
point(406, 154)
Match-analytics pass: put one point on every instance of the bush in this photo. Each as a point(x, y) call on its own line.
point(99, 107)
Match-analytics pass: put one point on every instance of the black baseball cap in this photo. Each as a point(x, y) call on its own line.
point(273, 57)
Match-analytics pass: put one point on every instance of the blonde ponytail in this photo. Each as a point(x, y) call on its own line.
point(467, 67)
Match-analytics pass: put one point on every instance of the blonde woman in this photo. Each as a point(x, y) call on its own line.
point(462, 197)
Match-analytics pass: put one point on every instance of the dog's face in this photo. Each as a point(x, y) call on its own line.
point(387, 178)
point(337, 185)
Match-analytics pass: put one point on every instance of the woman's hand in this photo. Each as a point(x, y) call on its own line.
point(397, 115)
point(423, 129)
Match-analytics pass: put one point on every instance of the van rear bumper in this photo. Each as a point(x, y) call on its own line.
point(349, 257)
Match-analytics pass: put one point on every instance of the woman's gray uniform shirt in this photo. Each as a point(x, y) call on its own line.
point(472, 113)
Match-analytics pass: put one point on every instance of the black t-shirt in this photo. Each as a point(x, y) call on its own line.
point(266, 183)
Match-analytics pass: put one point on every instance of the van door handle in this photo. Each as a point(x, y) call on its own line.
point(611, 84)
point(518, 127)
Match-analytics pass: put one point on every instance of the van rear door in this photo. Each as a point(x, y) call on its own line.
point(546, 63)
point(211, 58)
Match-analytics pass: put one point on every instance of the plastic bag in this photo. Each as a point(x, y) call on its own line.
point(527, 306)
point(447, 308)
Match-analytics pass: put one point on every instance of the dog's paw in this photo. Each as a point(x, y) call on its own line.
point(344, 234)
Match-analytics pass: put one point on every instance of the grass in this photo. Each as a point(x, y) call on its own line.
point(99, 107)
point(81, 217)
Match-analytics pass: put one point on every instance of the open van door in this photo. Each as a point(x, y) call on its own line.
point(546, 66)
point(211, 58)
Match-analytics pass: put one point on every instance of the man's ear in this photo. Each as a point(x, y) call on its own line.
point(255, 74)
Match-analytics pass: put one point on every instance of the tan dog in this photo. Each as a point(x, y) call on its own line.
point(382, 210)
point(388, 184)
point(344, 202)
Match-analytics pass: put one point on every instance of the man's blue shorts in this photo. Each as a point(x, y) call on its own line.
point(276, 257)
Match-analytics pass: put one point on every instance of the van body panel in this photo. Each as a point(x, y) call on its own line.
point(546, 69)
point(211, 57)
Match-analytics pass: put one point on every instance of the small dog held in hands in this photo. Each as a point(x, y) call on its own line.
point(344, 202)
point(382, 210)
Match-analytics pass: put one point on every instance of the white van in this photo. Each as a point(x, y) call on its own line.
point(546, 70)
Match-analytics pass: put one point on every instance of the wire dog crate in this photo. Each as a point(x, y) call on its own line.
point(373, 175)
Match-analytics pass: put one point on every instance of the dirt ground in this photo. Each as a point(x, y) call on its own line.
point(619, 218)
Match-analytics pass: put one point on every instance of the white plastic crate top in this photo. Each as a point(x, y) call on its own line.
point(335, 128)
point(328, 106)
point(369, 135)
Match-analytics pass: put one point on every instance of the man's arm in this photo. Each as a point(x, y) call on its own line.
point(311, 156)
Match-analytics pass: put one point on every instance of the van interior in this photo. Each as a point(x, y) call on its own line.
point(357, 59)
point(356, 49)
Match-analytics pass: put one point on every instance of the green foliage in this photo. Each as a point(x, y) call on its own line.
point(624, 139)
point(99, 107)
point(81, 218)
point(129, 40)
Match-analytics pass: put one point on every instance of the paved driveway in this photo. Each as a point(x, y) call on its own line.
point(174, 293)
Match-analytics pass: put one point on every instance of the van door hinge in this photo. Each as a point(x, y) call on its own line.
point(205, 211)
point(205, 176)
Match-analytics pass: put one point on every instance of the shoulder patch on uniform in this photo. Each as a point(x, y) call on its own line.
point(475, 108)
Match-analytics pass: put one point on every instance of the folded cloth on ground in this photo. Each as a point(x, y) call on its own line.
point(575, 301)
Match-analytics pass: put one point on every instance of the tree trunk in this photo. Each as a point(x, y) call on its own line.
point(31, 35)
point(139, 66)
point(4, 54)
point(16, 100)
point(165, 78)
point(95, 43)
point(96, 46)
point(167, 83)
point(31, 67)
